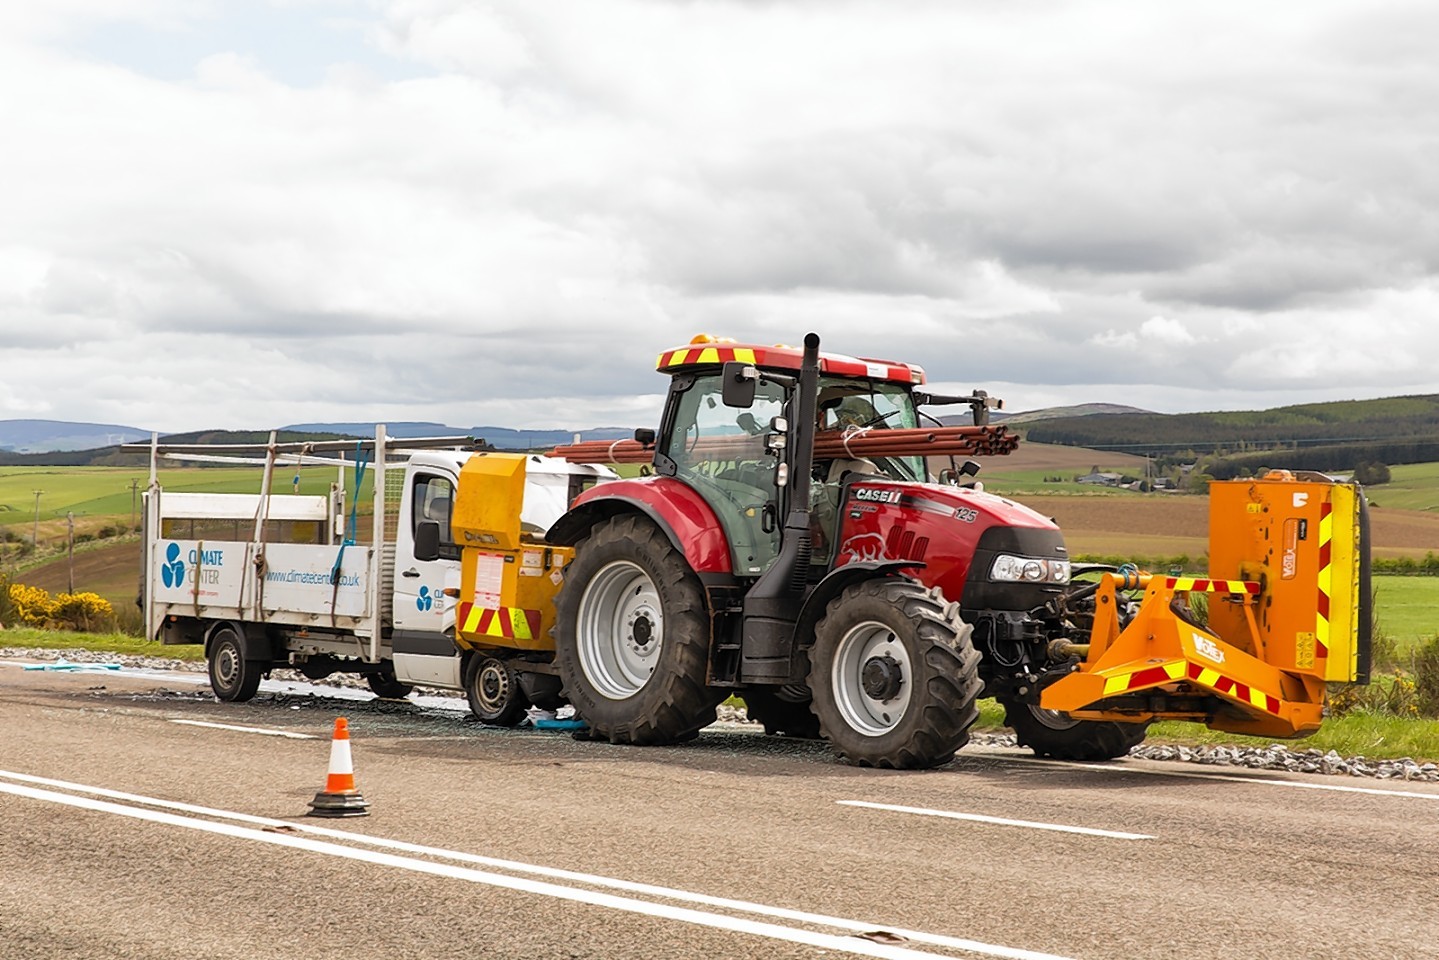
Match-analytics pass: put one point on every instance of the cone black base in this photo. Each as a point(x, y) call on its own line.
point(338, 805)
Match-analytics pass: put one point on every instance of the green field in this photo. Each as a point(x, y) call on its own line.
point(1412, 486)
point(104, 494)
point(1407, 609)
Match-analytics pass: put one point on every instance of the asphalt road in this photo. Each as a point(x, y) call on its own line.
point(127, 833)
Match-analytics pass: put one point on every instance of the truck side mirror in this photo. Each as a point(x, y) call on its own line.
point(427, 540)
point(738, 380)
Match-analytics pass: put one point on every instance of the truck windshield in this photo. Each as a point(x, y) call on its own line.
point(851, 405)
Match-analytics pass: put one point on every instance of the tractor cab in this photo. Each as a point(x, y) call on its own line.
point(735, 454)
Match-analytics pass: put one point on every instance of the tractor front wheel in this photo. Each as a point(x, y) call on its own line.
point(1054, 734)
point(894, 676)
point(632, 637)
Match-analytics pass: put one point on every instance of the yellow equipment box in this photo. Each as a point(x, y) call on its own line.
point(508, 579)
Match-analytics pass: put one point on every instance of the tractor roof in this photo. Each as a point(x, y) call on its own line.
point(707, 351)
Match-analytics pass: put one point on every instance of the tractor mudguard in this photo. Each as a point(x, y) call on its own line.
point(675, 508)
point(834, 583)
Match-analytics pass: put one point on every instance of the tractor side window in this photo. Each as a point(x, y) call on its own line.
point(847, 406)
point(719, 451)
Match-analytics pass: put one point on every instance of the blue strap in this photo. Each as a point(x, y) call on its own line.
point(362, 461)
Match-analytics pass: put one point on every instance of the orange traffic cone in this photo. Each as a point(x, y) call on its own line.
point(339, 798)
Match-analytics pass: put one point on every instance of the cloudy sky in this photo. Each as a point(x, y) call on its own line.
point(245, 214)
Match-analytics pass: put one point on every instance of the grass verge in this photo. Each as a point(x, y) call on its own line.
point(117, 643)
point(1372, 736)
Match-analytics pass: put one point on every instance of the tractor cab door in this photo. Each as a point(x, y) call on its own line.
point(720, 452)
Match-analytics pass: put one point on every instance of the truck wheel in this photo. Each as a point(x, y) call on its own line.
point(384, 685)
point(783, 711)
point(894, 676)
point(232, 677)
point(1052, 733)
point(632, 637)
point(494, 692)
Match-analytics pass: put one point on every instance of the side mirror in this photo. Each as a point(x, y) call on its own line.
point(738, 384)
point(645, 436)
point(427, 540)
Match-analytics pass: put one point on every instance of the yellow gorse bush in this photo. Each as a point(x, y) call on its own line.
point(35, 607)
point(85, 611)
point(32, 605)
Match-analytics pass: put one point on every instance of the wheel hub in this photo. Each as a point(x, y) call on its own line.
point(882, 677)
point(227, 665)
point(641, 633)
point(493, 684)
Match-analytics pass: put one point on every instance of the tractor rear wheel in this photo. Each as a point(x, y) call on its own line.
point(494, 693)
point(1054, 734)
point(632, 637)
point(894, 676)
point(784, 711)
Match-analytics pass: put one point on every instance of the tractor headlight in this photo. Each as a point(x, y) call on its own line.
point(1012, 569)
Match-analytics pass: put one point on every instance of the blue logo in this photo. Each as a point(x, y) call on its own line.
point(173, 572)
point(424, 601)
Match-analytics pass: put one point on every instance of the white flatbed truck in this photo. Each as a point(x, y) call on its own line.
point(284, 580)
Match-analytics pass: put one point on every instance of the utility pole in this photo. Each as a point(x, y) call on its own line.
point(70, 518)
point(134, 486)
point(35, 536)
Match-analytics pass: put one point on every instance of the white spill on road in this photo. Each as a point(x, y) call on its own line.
point(294, 688)
point(353, 846)
point(996, 821)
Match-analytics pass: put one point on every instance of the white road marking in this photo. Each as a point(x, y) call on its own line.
point(1001, 821)
point(1263, 781)
point(847, 944)
point(260, 730)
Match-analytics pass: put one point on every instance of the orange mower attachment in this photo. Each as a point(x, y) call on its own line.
point(1287, 610)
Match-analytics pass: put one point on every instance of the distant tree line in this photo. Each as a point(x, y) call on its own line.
point(1409, 424)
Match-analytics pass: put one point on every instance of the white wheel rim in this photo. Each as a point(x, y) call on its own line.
point(621, 630)
point(227, 665)
point(492, 686)
point(864, 713)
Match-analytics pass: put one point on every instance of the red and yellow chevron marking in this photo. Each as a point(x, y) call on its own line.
point(705, 354)
point(787, 358)
point(1183, 669)
point(1202, 585)
point(511, 623)
point(1326, 573)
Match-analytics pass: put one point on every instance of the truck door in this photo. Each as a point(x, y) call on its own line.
point(424, 652)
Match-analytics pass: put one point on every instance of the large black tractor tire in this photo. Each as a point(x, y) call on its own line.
point(232, 677)
point(1050, 733)
point(384, 684)
point(783, 711)
point(894, 676)
point(632, 637)
point(494, 693)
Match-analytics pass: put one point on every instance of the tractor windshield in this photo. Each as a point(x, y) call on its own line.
point(848, 405)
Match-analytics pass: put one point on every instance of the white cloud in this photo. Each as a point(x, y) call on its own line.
point(538, 198)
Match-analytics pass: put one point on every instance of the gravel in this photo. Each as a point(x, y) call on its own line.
point(1273, 757)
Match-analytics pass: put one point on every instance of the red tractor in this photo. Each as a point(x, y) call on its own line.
point(791, 547)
